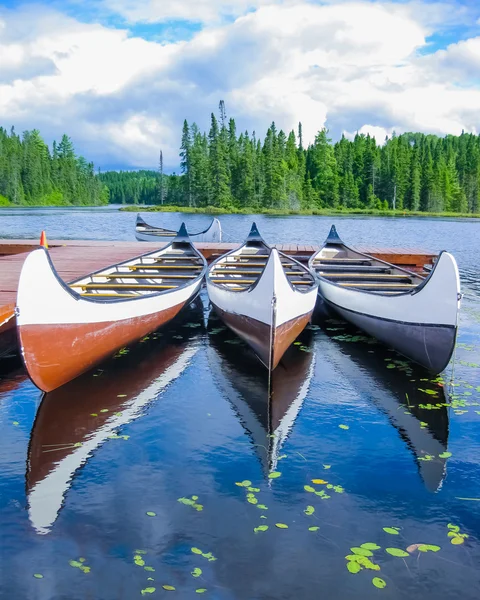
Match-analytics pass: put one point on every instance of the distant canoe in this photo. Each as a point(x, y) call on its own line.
point(263, 295)
point(149, 233)
point(66, 329)
point(414, 315)
point(72, 422)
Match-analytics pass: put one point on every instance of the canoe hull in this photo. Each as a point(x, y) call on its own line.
point(431, 346)
point(147, 233)
point(60, 352)
point(268, 342)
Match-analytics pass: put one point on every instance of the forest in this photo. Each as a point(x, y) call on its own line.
point(224, 170)
point(31, 174)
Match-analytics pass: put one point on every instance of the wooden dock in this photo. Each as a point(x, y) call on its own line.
point(76, 258)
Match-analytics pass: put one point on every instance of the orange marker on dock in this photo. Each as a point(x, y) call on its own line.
point(43, 240)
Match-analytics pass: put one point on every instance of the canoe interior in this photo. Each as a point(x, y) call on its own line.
point(142, 226)
point(241, 269)
point(161, 271)
point(348, 268)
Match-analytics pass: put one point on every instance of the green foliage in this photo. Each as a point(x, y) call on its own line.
point(225, 172)
point(32, 175)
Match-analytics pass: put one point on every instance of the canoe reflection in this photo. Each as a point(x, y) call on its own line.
point(267, 408)
point(406, 393)
point(75, 419)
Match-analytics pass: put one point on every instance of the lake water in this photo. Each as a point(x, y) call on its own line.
point(107, 484)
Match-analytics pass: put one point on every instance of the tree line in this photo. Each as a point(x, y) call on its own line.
point(31, 174)
point(222, 169)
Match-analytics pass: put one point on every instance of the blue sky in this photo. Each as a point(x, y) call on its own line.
point(119, 76)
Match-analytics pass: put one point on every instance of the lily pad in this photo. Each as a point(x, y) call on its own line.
point(262, 507)
point(260, 528)
point(308, 488)
point(354, 567)
point(314, 528)
point(196, 550)
point(169, 588)
point(396, 552)
point(274, 475)
point(361, 551)
point(197, 572)
point(148, 590)
point(201, 590)
point(344, 426)
point(391, 530)
point(379, 583)
point(319, 481)
point(309, 510)
point(151, 514)
point(370, 546)
point(38, 576)
point(457, 540)
point(428, 548)
point(445, 455)
point(281, 525)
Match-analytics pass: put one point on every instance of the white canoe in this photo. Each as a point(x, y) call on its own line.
point(266, 297)
point(416, 316)
point(149, 233)
point(66, 329)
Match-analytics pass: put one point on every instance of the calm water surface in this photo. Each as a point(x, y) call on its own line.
point(186, 414)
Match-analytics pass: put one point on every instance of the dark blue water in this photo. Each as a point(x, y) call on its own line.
point(187, 412)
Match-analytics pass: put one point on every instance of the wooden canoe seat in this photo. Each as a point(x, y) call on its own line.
point(144, 276)
point(177, 257)
point(342, 261)
point(101, 295)
point(369, 277)
point(250, 281)
point(352, 269)
point(379, 285)
point(159, 267)
point(123, 286)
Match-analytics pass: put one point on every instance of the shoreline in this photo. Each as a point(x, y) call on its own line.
point(212, 210)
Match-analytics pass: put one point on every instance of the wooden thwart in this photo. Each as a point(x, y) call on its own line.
point(122, 286)
point(378, 285)
point(144, 276)
point(159, 267)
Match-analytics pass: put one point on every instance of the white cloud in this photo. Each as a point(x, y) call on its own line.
point(352, 66)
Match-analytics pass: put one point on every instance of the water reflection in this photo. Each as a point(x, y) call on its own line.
point(74, 420)
point(413, 401)
point(266, 408)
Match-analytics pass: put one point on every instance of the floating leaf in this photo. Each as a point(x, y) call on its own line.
point(262, 507)
point(319, 481)
point(314, 528)
point(196, 572)
point(308, 488)
point(151, 569)
point(150, 579)
point(363, 561)
point(396, 552)
point(252, 500)
point(274, 475)
point(140, 551)
point(16, 423)
point(169, 588)
point(455, 528)
point(354, 567)
point(196, 550)
point(260, 528)
point(38, 576)
point(281, 525)
point(379, 583)
point(445, 455)
point(309, 510)
point(344, 426)
point(104, 410)
point(361, 551)
point(151, 514)
point(250, 489)
point(327, 466)
point(201, 590)
point(370, 546)
point(75, 563)
point(457, 540)
point(427, 548)
point(391, 530)
point(246, 483)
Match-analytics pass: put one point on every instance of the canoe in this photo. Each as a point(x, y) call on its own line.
point(267, 407)
point(264, 296)
point(66, 329)
point(419, 413)
point(415, 315)
point(74, 421)
point(149, 233)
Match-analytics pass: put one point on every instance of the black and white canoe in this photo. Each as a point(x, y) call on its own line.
point(263, 295)
point(149, 233)
point(416, 316)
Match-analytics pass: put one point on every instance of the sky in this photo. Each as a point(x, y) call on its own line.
point(120, 76)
